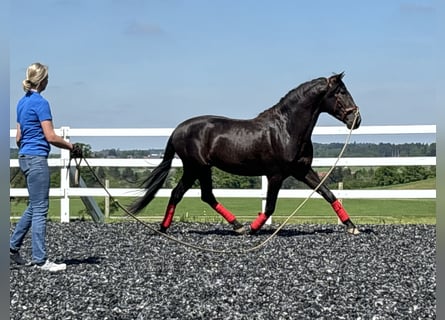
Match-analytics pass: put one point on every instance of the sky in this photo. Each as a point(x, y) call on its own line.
point(155, 63)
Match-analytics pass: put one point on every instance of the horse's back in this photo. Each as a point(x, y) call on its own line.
point(196, 128)
point(210, 126)
point(233, 145)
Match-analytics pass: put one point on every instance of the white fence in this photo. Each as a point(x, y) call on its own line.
point(65, 191)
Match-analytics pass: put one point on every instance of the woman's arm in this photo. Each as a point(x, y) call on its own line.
point(52, 137)
point(18, 136)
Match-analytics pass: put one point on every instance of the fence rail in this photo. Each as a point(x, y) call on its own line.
point(65, 192)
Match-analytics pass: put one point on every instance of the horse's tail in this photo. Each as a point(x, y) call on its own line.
point(155, 180)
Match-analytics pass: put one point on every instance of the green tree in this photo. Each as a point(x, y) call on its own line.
point(413, 173)
point(17, 178)
point(129, 175)
point(101, 173)
point(385, 176)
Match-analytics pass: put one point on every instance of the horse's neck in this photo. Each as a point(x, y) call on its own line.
point(298, 121)
point(301, 124)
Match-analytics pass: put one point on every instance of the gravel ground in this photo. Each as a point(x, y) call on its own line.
point(125, 271)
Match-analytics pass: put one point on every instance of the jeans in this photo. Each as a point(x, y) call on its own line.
point(36, 171)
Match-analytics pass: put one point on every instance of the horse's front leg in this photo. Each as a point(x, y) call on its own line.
point(273, 187)
point(312, 180)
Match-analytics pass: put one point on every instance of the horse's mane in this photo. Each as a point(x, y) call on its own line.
point(301, 94)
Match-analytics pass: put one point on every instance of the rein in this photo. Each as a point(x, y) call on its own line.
point(204, 249)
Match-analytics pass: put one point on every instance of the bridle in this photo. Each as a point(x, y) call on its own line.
point(344, 112)
point(339, 108)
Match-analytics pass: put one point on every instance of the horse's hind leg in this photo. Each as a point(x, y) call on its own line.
point(177, 194)
point(205, 180)
point(312, 180)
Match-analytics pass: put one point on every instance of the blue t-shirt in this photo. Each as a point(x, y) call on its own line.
point(32, 109)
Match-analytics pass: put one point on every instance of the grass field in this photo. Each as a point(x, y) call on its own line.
point(363, 211)
point(418, 185)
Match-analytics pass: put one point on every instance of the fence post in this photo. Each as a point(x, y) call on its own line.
point(107, 200)
point(340, 187)
point(65, 179)
point(263, 198)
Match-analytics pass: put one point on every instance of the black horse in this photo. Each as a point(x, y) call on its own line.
point(276, 144)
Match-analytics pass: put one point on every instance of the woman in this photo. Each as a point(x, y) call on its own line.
point(35, 134)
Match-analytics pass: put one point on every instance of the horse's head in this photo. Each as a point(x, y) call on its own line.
point(338, 102)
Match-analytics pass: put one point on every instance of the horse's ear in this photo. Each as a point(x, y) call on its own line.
point(335, 79)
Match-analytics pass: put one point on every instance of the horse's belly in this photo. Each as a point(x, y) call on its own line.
point(243, 168)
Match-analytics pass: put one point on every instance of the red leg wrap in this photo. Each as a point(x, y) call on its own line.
point(224, 212)
point(258, 222)
point(340, 211)
point(169, 212)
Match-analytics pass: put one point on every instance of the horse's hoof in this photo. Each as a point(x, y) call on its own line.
point(240, 230)
point(353, 231)
point(252, 231)
point(238, 227)
point(163, 229)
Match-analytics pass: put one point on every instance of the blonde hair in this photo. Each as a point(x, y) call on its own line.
point(35, 74)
